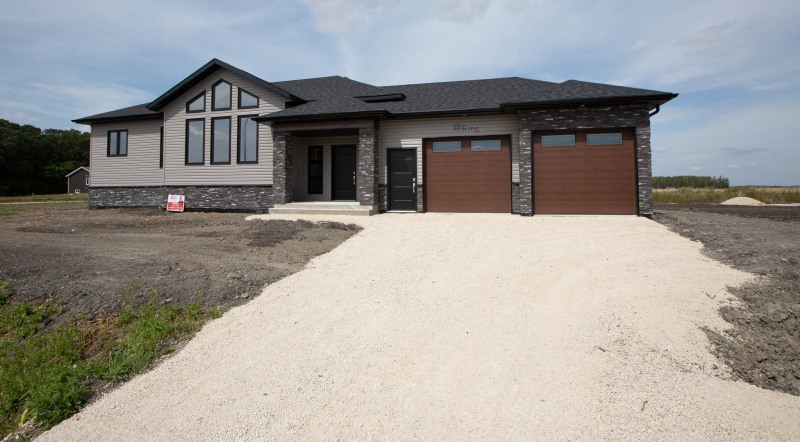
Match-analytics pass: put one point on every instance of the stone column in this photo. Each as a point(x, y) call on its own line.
point(525, 194)
point(282, 167)
point(367, 167)
point(644, 168)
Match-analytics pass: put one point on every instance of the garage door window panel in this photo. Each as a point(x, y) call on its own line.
point(446, 146)
point(604, 139)
point(485, 145)
point(563, 140)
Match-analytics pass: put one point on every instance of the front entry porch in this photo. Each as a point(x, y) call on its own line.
point(325, 167)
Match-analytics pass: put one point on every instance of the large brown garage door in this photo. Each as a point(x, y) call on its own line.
point(584, 172)
point(468, 174)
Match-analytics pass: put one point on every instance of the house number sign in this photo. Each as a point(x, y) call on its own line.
point(465, 127)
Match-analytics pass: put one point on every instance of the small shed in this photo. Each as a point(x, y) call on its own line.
point(78, 180)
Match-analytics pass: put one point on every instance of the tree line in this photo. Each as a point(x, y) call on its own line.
point(673, 182)
point(36, 161)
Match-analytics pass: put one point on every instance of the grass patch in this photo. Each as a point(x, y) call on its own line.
point(46, 372)
point(71, 197)
point(686, 195)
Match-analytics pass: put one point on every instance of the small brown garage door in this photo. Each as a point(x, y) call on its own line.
point(468, 174)
point(584, 172)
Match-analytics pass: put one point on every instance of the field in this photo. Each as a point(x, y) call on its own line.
point(90, 297)
point(767, 195)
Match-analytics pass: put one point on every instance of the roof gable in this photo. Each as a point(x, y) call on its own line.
point(77, 170)
point(203, 72)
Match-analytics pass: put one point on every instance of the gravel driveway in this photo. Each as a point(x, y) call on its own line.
point(453, 327)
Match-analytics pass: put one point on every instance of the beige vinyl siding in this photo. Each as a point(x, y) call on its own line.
point(139, 167)
point(177, 173)
point(408, 134)
point(301, 159)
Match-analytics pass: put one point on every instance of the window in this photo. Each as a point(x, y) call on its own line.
point(558, 140)
point(609, 138)
point(221, 96)
point(117, 143)
point(161, 150)
point(447, 146)
point(248, 139)
point(197, 104)
point(195, 141)
point(314, 170)
point(482, 145)
point(247, 100)
point(221, 140)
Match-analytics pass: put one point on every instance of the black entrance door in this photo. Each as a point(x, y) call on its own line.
point(402, 179)
point(344, 173)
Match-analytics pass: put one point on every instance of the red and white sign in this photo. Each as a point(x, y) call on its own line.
point(175, 203)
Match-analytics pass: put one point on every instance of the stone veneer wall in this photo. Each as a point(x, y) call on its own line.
point(367, 167)
point(515, 197)
point(244, 198)
point(582, 118)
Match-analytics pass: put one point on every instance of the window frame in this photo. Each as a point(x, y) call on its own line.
point(214, 96)
point(213, 139)
point(320, 163)
point(239, 139)
point(116, 133)
point(188, 103)
point(202, 144)
point(239, 99)
point(573, 135)
point(161, 149)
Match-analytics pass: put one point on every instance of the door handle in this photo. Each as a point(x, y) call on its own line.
point(413, 185)
point(354, 177)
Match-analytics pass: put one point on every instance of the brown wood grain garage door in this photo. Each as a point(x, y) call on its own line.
point(468, 180)
point(585, 179)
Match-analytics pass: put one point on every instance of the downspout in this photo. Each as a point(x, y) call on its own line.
point(658, 109)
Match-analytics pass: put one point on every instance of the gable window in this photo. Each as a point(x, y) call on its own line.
point(447, 146)
point(604, 139)
point(248, 139)
point(221, 96)
point(558, 140)
point(221, 140)
point(195, 141)
point(197, 104)
point(247, 100)
point(117, 143)
point(314, 170)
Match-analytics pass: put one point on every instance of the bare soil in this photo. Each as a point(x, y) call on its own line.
point(97, 262)
point(763, 347)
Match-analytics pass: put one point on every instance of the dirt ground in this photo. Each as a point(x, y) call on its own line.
point(763, 347)
point(100, 261)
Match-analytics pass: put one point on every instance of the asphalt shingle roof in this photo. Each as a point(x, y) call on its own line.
point(140, 111)
point(336, 95)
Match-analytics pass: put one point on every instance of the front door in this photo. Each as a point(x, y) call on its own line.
point(343, 166)
point(402, 179)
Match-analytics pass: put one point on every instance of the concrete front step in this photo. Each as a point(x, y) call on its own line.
point(323, 208)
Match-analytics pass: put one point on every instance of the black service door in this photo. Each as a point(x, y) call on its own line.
point(402, 179)
point(344, 173)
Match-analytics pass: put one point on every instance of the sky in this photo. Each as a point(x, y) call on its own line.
point(735, 63)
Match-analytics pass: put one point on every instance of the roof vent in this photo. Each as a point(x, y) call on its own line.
point(382, 98)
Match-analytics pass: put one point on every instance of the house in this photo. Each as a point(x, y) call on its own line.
point(78, 180)
point(229, 140)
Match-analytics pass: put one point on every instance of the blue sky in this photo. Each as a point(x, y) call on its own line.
point(736, 64)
